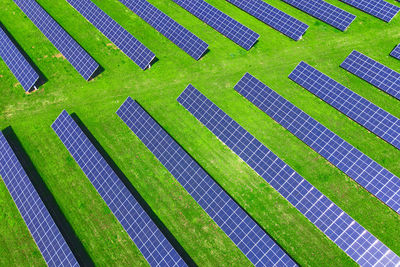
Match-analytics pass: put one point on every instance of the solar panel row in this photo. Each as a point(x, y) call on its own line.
point(362, 169)
point(260, 249)
point(273, 17)
point(324, 11)
point(175, 32)
point(70, 49)
point(396, 52)
point(372, 117)
point(44, 231)
point(221, 22)
point(142, 230)
point(17, 63)
point(128, 44)
point(378, 8)
point(373, 72)
point(350, 236)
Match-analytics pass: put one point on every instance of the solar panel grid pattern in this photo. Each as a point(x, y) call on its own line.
point(175, 32)
point(324, 11)
point(373, 72)
point(221, 22)
point(368, 173)
point(260, 249)
point(351, 237)
point(17, 63)
point(148, 238)
point(44, 231)
point(396, 52)
point(273, 17)
point(378, 8)
point(128, 44)
point(64, 43)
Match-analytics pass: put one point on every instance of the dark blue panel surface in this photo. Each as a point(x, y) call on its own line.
point(142, 230)
point(44, 231)
point(378, 8)
point(372, 117)
point(128, 44)
point(221, 22)
point(233, 220)
point(350, 236)
point(70, 49)
point(396, 52)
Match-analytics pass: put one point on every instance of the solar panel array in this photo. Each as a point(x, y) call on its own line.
point(372, 117)
point(273, 17)
point(260, 249)
point(143, 231)
point(175, 32)
point(324, 11)
point(396, 52)
point(17, 63)
point(362, 169)
point(64, 43)
point(373, 72)
point(44, 231)
point(128, 44)
point(378, 8)
point(221, 22)
point(350, 236)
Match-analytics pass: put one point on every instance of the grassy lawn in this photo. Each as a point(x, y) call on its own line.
point(95, 102)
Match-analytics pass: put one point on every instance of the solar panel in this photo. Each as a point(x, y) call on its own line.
point(221, 22)
point(64, 43)
point(373, 72)
point(168, 27)
point(260, 249)
point(273, 17)
point(350, 236)
point(17, 63)
point(372, 117)
point(378, 8)
point(128, 44)
point(324, 11)
point(362, 169)
point(142, 230)
point(396, 52)
point(44, 231)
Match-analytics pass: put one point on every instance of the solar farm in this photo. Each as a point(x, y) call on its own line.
point(199, 133)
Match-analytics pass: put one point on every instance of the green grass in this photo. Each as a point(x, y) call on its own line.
point(156, 89)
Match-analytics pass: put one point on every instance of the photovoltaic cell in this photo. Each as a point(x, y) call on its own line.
point(44, 231)
point(324, 11)
point(128, 44)
point(17, 63)
point(260, 249)
point(362, 169)
point(64, 43)
point(273, 17)
point(372, 117)
point(378, 8)
point(168, 27)
point(221, 22)
point(373, 72)
point(350, 236)
point(396, 52)
point(142, 230)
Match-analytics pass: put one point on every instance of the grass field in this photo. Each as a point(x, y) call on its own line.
point(271, 60)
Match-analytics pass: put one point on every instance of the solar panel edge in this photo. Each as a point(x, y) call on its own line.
point(374, 15)
point(396, 52)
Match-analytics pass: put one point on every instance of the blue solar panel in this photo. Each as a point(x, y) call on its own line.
point(16, 62)
point(372, 117)
point(373, 72)
point(221, 22)
point(128, 44)
point(260, 249)
point(175, 32)
point(378, 8)
point(350, 236)
point(44, 231)
point(362, 169)
point(143, 231)
point(396, 52)
point(273, 17)
point(70, 49)
point(324, 11)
